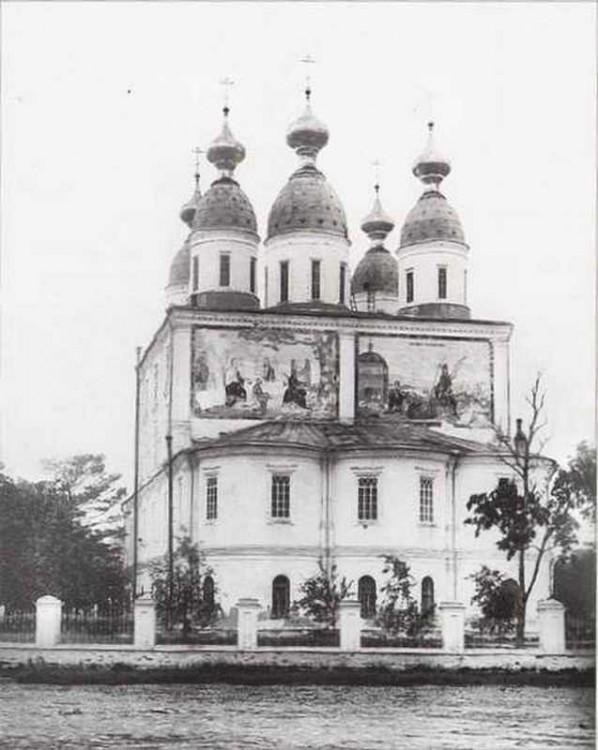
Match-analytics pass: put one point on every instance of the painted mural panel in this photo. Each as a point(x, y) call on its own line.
point(425, 378)
point(264, 374)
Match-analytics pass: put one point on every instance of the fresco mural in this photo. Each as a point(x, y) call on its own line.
point(264, 374)
point(425, 378)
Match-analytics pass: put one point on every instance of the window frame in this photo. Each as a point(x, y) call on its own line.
point(195, 273)
point(280, 496)
point(252, 274)
point(367, 498)
point(211, 497)
point(224, 270)
point(316, 279)
point(442, 282)
point(342, 283)
point(409, 285)
point(285, 273)
point(426, 500)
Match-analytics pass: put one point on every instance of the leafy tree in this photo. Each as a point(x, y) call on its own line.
point(498, 599)
point(45, 549)
point(92, 490)
point(532, 519)
point(398, 611)
point(190, 599)
point(322, 594)
point(575, 582)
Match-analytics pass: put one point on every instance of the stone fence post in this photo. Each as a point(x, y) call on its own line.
point(350, 625)
point(144, 618)
point(551, 624)
point(48, 616)
point(453, 626)
point(247, 623)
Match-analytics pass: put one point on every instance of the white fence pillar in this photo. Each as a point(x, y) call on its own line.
point(144, 614)
point(350, 625)
point(48, 615)
point(453, 626)
point(247, 623)
point(551, 624)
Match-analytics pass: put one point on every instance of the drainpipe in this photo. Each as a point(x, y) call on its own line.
point(327, 551)
point(454, 464)
point(136, 478)
point(170, 518)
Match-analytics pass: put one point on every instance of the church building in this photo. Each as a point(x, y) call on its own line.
point(291, 410)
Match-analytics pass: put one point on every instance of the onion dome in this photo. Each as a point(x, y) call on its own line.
point(431, 167)
point(225, 205)
point(225, 151)
point(307, 201)
point(187, 212)
point(378, 270)
point(432, 217)
point(179, 268)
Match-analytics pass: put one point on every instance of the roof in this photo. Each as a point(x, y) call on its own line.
point(307, 202)
point(179, 268)
point(225, 206)
point(432, 218)
point(335, 436)
point(377, 271)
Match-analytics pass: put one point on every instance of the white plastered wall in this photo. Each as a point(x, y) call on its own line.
point(424, 259)
point(208, 246)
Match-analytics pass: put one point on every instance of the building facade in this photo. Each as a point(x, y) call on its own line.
point(290, 412)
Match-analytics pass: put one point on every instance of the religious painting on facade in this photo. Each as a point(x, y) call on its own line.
point(425, 378)
point(264, 374)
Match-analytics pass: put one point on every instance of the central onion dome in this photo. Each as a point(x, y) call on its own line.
point(307, 201)
point(432, 218)
point(225, 205)
point(377, 272)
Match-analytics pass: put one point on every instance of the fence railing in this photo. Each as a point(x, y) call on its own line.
point(108, 624)
point(18, 626)
point(197, 637)
point(298, 637)
point(580, 631)
point(376, 638)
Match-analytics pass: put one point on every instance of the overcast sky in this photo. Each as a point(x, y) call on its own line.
point(103, 103)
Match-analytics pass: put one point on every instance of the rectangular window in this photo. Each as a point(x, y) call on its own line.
point(441, 282)
point(281, 496)
point(284, 280)
point(371, 301)
point(252, 267)
point(426, 500)
point(342, 281)
point(224, 269)
point(266, 287)
point(211, 498)
point(315, 279)
point(410, 286)
point(195, 273)
point(367, 499)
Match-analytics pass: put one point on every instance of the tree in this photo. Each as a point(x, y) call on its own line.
point(534, 513)
point(398, 612)
point(498, 598)
point(575, 582)
point(191, 601)
point(322, 594)
point(45, 549)
point(92, 490)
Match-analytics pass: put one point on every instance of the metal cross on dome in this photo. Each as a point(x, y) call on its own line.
point(307, 61)
point(377, 165)
point(227, 83)
point(197, 153)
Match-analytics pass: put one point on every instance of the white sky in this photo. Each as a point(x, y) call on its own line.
point(102, 104)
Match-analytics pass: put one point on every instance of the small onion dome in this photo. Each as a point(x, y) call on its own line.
point(307, 135)
point(432, 218)
point(187, 212)
point(179, 268)
point(372, 357)
point(377, 224)
point(431, 167)
point(377, 271)
point(225, 152)
point(225, 206)
point(307, 202)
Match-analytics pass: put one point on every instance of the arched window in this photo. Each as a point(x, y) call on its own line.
point(208, 590)
point(281, 597)
point(427, 597)
point(366, 593)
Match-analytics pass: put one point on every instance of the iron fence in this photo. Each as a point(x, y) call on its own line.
point(298, 637)
point(17, 626)
point(580, 631)
point(106, 624)
point(197, 637)
point(376, 638)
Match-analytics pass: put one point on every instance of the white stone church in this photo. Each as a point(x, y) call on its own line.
point(290, 411)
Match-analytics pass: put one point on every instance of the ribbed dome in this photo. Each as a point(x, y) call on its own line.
point(179, 268)
point(432, 218)
point(309, 202)
point(225, 206)
point(377, 271)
